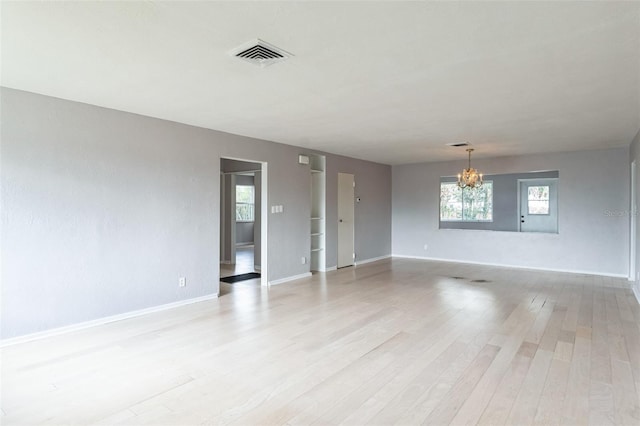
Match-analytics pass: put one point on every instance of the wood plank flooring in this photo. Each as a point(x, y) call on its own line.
point(244, 262)
point(393, 342)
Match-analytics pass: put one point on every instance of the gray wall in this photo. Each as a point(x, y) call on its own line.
point(373, 185)
point(591, 183)
point(103, 211)
point(635, 156)
point(244, 233)
point(505, 202)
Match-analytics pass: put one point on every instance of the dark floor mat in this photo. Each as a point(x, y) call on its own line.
point(242, 277)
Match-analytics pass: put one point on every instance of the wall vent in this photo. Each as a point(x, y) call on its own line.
point(458, 144)
point(260, 53)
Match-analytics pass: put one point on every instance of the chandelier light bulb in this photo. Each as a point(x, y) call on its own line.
point(469, 178)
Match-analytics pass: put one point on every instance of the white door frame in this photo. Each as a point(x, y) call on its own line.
point(633, 211)
point(232, 217)
point(264, 218)
point(223, 218)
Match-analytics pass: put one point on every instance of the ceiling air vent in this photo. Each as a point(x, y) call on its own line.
point(458, 144)
point(261, 53)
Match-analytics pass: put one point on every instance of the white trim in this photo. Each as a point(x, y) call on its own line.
point(244, 172)
point(264, 216)
point(330, 268)
point(502, 265)
point(223, 218)
point(100, 321)
point(256, 267)
point(636, 292)
point(633, 244)
point(264, 224)
point(231, 208)
point(292, 278)
point(373, 259)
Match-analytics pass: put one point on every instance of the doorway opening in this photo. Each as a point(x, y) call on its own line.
point(243, 222)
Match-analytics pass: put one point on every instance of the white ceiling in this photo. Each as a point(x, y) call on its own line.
point(391, 82)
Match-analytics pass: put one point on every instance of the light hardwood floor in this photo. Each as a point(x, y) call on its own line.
point(392, 342)
point(244, 262)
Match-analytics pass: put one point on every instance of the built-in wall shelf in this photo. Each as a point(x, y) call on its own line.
point(317, 226)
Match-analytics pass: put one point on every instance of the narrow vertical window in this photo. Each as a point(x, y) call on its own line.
point(245, 203)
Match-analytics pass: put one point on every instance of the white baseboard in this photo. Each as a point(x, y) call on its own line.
point(292, 278)
point(330, 268)
point(373, 259)
point(502, 265)
point(105, 320)
point(636, 291)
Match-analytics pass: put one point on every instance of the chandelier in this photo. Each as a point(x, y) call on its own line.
point(469, 178)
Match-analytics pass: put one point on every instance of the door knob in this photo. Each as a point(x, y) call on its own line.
point(522, 221)
point(340, 220)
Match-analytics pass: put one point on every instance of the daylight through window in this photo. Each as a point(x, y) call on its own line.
point(466, 205)
point(245, 203)
point(538, 200)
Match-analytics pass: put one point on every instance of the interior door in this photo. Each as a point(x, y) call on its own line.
point(346, 214)
point(539, 205)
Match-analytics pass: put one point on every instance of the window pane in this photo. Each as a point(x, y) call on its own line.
point(538, 193)
point(478, 203)
point(244, 212)
point(466, 204)
point(244, 194)
point(538, 199)
point(538, 207)
point(450, 202)
point(244, 203)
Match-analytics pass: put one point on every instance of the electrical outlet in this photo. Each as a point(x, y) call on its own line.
point(304, 260)
point(426, 246)
point(182, 282)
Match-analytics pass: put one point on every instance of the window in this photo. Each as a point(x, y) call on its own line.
point(538, 200)
point(245, 203)
point(466, 205)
